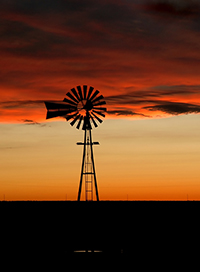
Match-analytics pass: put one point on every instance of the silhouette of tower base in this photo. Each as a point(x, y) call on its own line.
point(88, 173)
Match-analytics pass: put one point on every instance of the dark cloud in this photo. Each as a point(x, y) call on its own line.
point(174, 90)
point(157, 99)
point(124, 113)
point(33, 7)
point(174, 7)
point(24, 40)
point(80, 29)
point(32, 122)
point(175, 108)
point(21, 104)
point(152, 94)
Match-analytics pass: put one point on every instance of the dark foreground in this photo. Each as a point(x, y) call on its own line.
point(109, 227)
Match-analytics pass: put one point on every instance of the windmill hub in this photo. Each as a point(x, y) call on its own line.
point(81, 107)
point(88, 105)
point(84, 106)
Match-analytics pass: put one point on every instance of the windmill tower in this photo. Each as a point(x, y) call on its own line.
point(84, 107)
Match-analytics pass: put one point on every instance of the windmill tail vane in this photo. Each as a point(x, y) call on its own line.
point(82, 106)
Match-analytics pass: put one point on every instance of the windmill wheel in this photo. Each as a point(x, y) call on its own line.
point(83, 105)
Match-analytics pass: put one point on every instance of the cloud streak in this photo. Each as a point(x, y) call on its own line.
point(21, 104)
point(175, 108)
point(159, 98)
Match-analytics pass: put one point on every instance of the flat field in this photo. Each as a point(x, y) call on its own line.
point(135, 227)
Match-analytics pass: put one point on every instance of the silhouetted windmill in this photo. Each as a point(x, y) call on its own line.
point(84, 107)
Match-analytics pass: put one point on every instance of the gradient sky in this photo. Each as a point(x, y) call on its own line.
point(142, 55)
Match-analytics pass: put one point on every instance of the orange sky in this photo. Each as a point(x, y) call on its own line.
point(139, 159)
point(143, 56)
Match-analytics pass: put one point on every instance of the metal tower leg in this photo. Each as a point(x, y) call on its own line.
point(92, 158)
point(82, 168)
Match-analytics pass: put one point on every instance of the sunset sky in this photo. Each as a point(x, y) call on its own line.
point(144, 58)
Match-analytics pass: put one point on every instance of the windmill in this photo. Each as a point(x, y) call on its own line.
point(83, 107)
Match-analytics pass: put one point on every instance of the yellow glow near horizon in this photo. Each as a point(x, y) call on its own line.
point(154, 159)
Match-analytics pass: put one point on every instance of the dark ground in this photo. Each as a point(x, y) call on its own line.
point(113, 227)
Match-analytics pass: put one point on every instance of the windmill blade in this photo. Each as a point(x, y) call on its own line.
point(69, 101)
point(75, 119)
point(68, 117)
point(99, 108)
point(89, 92)
point(95, 124)
point(98, 112)
point(84, 91)
point(100, 103)
point(72, 97)
point(94, 95)
point(80, 92)
point(75, 93)
point(100, 121)
point(79, 123)
point(58, 105)
point(52, 114)
point(97, 99)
